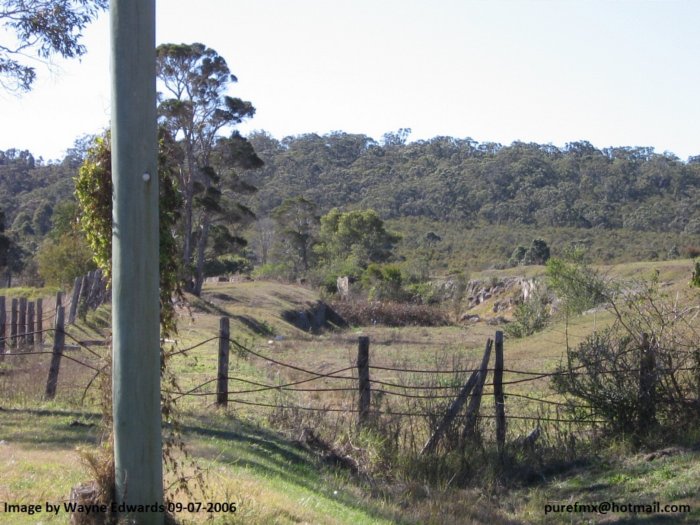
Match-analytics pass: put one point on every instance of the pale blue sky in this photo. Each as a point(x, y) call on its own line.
point(615, 73)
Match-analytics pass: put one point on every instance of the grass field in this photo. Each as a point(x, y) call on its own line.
point(256, 456)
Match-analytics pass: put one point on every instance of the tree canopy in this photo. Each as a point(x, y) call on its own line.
point(445, 178)
point(47, 27)
point(195, 109)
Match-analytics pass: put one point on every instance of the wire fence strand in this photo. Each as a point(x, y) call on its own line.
point(426, 392)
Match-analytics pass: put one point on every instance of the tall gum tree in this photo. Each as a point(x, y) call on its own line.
point(196, 110)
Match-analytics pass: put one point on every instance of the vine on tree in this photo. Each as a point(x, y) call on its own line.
point(93, 189)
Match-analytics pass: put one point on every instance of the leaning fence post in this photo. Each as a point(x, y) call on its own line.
point(453, 410)
point(58, 342)
point(22, 324)
point(39, 321)
point(475, 401)
point(647, 387)
point(363, 379)
point(222, 379)
point(499, 398)
point(2, 327)
point(14, 311)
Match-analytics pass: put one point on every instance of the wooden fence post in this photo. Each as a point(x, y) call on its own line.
point(475, 401)
point(453, 410)
point(83, 298)
point(2, 328)
point(74, 300)
point(647, 385)
point(59, 302)
point(30, 323)
point(222, 379)
point(22, 324)
point(499, 397)
point(39, 321)
point(14, 313)
point(363, 377)
point(58, 343)
point(95, 296)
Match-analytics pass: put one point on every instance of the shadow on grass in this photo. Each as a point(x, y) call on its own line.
point(59, 429)
point(267, 454)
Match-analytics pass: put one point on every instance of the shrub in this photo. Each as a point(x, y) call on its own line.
point(60, 261)
point(227, 264)
point(532, 315)
point(537, 253)
point(600, 371)
point(517, 256)
point(272, 271)
point(579, 286)
point(383, 282)
point(604, 370)
point(423, 293)
point(691, 252)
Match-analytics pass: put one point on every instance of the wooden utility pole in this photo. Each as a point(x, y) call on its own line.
point(135, 295)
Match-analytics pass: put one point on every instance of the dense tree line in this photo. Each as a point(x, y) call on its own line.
point(452, 200)
point(450, 179)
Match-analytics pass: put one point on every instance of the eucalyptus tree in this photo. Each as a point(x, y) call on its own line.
point(11, 253)
point(48, 27)
point(356, 234)
point(298, 225)
point(197, 111)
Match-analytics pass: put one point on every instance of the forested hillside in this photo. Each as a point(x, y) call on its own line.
point(458, 204)
point(450, 179)
point(29, 189)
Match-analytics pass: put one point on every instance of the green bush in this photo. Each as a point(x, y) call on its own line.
point(383, 282)
point(227, 264)
point(60, 261)
point(532, 315)
point(695, 280)
point(604, 370)
point(575, 283)
point(272, 271)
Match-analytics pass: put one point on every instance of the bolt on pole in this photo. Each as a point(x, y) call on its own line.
point(135, 277)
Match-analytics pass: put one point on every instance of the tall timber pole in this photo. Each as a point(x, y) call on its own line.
point(135, 304)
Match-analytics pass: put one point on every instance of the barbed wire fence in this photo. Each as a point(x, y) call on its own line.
point(364, 387)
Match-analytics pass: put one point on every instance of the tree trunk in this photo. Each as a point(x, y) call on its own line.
point(189, 177)
point(201, 246)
